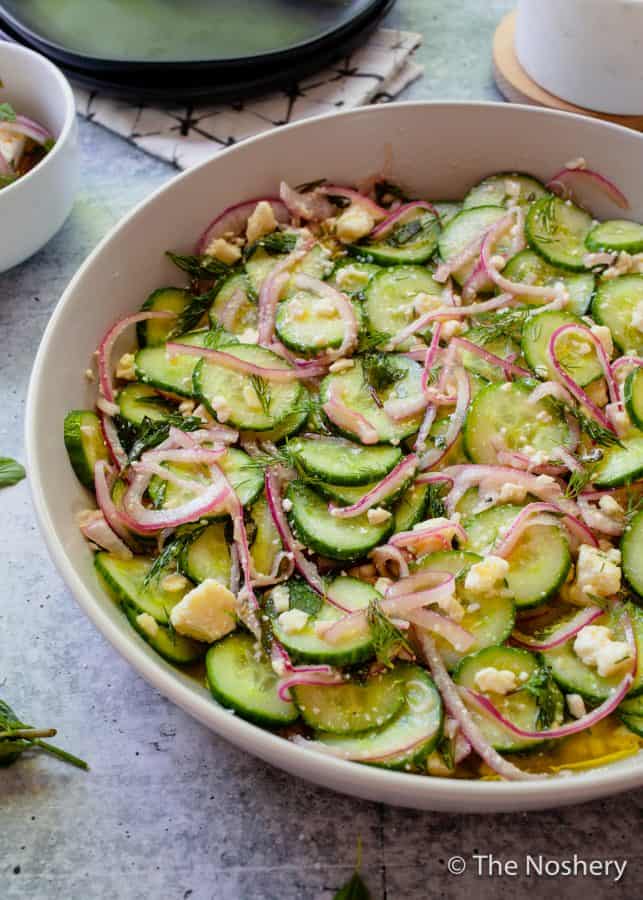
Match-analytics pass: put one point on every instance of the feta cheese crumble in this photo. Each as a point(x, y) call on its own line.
point(206, 613)
point(486, 575)
point(495, 681)
point(595, 647)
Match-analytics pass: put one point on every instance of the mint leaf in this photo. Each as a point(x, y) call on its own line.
point(11, 472)
point(7, 113)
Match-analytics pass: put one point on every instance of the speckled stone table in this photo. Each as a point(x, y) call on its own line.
point(169, 811)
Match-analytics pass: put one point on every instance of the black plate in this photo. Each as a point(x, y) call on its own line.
point(173, 83)
point(135, 36)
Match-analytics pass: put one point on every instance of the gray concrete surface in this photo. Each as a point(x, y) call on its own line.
point(169, 811)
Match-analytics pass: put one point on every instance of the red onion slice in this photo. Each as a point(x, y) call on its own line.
point(27, 128)
point(562, 634)
point(233, 363)
point(455, 705)
point(107, 345)
point(102, 487)
point(311, 678)
point(233, 220)
point(310, 206)
point(562, 183)
point(96, 529)
point(402, 212)
point(349, 419)
point(597, 520)
point(393, 482)
point(113, 442)
point(463, 388)
point(460, 639)
point(272, 287)
point(574, 526)
point(492, 478)
point(440, 534)
point(506, 365)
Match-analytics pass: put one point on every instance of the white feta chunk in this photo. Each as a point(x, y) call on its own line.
point(485, 576)
point(261, 221)
point(280, 598)
point(595, 647)
point(378, 515)
point(126, 369)
point(354, 223)
point(496, 681)
point(293, 621)
point(597, 571)
point(224, 251)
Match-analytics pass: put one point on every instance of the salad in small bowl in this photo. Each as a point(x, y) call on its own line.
point(370, 468)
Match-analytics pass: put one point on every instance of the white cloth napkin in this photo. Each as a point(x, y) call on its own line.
point(185, 136)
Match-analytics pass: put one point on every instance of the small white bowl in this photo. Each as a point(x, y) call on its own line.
point(439, 150)
point(33, 208)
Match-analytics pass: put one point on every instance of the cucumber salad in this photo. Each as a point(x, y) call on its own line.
point(374, 472)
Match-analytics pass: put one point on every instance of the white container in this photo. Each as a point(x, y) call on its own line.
point(588, 52)
point(463, 142)
point(33, 208)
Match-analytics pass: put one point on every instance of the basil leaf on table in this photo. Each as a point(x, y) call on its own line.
point(11, 472)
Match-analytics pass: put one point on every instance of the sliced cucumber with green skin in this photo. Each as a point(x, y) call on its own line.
point(447, 210)
point(346, 494)
point(413, 241)
point(391, 295)
point(519, 706)
point(208, 556)
point(632, 552)
point(557, 229)
point(341, 462)
point(317, 263)
point(500, 190)
point(352, 277)
point(538, 565)
point(575, 677)
point(417, 727)
point(351, 707)
point(173, 647)
point(501, 346)
point(505, 411)
point(411, 507)
point(575, 353)
point(291, 424)
point(172, 374)
point(258, 267)
point(464, 228)
point(245, 477)
point(630, 713)
point(266, 543)
point(343, 539)
point(308, 646)
point(154, 332)
point(212, 381)
point(620, 465)
point(84, 443)
point(307, 323)
point(125, 579)
point(140, 401)
point(242, 679)
point(527, 266)
point(616, 235)
point(490, 619)
point(633, 394)
point(236, 289)
point(351, 387)
point(615, 303)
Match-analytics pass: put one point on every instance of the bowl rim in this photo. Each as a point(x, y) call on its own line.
point(327, 771)
point(68, 123)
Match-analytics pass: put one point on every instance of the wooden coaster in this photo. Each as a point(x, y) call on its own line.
point(517, 87)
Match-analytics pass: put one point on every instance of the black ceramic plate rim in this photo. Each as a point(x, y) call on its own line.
point(140, 67)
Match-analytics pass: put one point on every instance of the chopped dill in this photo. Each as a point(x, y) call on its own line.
point(262, 390)
point(543, 689)
point(388, 640)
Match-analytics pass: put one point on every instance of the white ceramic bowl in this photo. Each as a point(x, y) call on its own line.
point(438, 148)
point(33, 208)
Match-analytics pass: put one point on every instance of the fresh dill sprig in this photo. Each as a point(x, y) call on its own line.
point(17, 736)
point(380, 371)
point(435, 507)
point(149, 434)
point(200, 268)
point(594, 430)
point(275, 243)
point(505, 324)
point(445, 751)
point(170, 554)
point(578, 481)
point(543, 689)
point(633, 505)
point(190, 317)
point(262, 390)
point(388, 640)
point(369, 341)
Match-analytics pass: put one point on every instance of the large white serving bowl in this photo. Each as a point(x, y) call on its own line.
point(439, 149)
point(34, 207)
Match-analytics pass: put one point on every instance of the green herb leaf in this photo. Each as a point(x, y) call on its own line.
point(601, 436)
point(7, 113)
point(149, 434)
point(190, 317)
point(304, 597)
point(6, 180)
point(435, 507)
point(199, 268)
point(380, 371)
point(578, 481)
point(354, 889)
point(387, 639)
point(277, 242)
point(445, 751)
point(170, 554)
point(504, 324)
point(543, 688)
point(262, 390)
point(11, 472)
point(416, 230)
point(17, 736)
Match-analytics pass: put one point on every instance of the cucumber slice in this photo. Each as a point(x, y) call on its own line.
point(411, 508)
point(208, 556)
point(241, 679)
point(575, 353)
point(125, 579)
point(351, 707)
point(154, 332)
point(447, 210)
point(153, 366)
point(391, 295)
point(501, 346)
point(616, 234)
point(615, 304)
point(632, 551)
point(351, 386)
point(84, 443)
point(266, 543)
point(405, 741)
point(353, 277)
point(343, 539)
point(212, 381)
point(412, 241)
point(307, 645)
point(346, 494)
point(538, 565)
point(575, 677)
point(307, 324)
point(291, 424)
point(490, 619)
point(173, 647)
point(258, 267)
point(342, 462)
point(620, 465)
point(556, 229)
point(236, 289)
point(630, 713)
point(500, 190)
point(527, 266)
point(245, 477)
point(140, 401)
point(633, 393)
point(465, 228)
point(316, 263)
point(505, 410)
point(520, 706)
